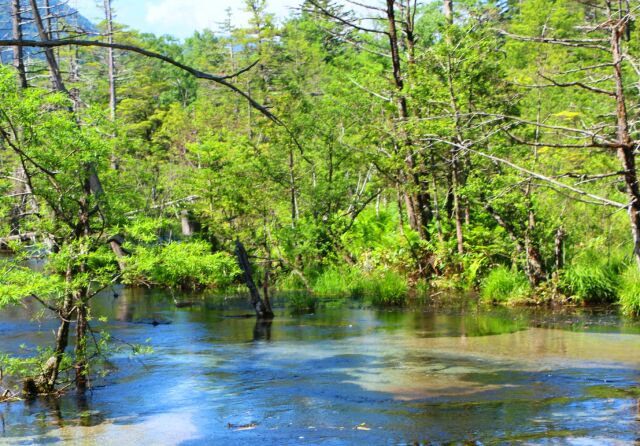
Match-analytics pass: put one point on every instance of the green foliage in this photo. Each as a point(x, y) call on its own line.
point(181, 265)
point(505, 285)
point(18, 282)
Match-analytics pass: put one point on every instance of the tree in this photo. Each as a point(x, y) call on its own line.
point(600, 64)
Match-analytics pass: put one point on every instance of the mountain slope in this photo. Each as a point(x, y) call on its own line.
point(67, 15)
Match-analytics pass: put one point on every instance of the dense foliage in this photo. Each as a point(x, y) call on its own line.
point(485, 146)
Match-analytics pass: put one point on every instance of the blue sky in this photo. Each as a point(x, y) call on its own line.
point(179, 18)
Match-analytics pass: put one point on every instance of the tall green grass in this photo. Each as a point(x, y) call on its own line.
point(380, 287)
point(301, 303)
point(592, 278)
point(505, 285)
point(629, 291)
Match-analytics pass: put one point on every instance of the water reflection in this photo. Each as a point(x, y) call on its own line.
point(345, 375)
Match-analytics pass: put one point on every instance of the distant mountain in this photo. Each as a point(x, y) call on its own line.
point(68, 16)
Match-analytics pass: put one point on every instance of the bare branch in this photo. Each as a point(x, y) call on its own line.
point(342, 20)
point(578, 43)
point(577, 84)
point(560, 184)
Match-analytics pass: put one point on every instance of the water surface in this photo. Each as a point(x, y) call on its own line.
point(347, 375)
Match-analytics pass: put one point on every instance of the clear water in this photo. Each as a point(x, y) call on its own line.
point(347, 375)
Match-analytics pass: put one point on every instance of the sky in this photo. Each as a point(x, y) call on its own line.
point(179, 18)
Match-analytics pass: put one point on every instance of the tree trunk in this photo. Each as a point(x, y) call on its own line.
point(54, 70)
point(110, 60)
point(81, 365)
point(457, 214)
point(559, 248)
point(263, 311)
point(447, 10)
point(417, 200)
point(534, 271)
point(292, 189)
point(18, 54)
point(185, 224)
point(625, 150)
point(46, 382)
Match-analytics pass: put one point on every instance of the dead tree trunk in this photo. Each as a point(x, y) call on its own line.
point(54, 69)
point(186, 224)
point(18, 53)
point(417, 200)
point(559, 248)
point(626, 146)
point(263, 311)
point(447, 10)
point(110, 60)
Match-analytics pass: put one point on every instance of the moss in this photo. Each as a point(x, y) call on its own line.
point(602, 391)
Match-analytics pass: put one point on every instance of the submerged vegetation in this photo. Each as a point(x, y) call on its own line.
point(473, 145)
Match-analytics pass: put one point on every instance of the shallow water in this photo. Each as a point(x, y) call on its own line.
point(345, 375)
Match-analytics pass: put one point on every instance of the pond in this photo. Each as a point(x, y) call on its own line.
point(344, 375)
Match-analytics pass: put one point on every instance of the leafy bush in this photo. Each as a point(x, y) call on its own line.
point(505, 285)
point(188, 265)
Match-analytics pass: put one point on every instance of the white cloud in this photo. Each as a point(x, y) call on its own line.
point(190, 15)
point(178, 17)
point(193, 14)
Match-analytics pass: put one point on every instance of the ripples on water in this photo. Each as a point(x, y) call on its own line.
point(343, 376)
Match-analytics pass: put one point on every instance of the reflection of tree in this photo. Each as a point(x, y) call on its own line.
point(262, 330)
point(53, 405)
point(124, 312)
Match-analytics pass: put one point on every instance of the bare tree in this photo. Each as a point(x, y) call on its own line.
point(110, 59)
point(18, 53)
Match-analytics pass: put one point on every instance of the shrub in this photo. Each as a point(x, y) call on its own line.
point(188, 265)
point(505, 285)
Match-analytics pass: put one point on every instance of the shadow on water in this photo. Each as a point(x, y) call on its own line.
point(346, 375)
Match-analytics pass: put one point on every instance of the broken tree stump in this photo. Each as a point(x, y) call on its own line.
point(263, 310)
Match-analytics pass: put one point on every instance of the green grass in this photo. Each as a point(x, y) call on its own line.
point(629, 291)
point(386, 289)
point(379, 287)
point(301, 302)
point(592, 278)
point(505, 285)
